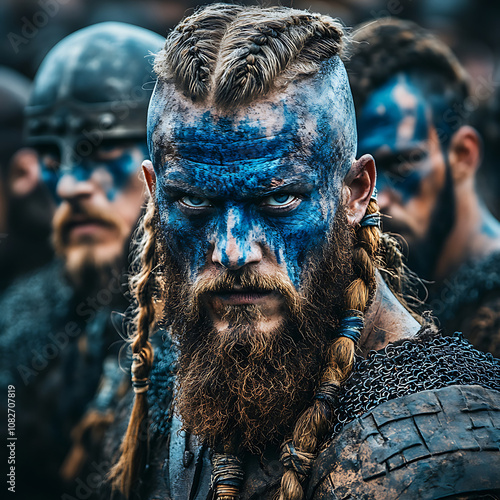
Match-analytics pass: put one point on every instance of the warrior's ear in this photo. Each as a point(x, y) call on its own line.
point(465, 153)
point(150, 176)
point(359, 183)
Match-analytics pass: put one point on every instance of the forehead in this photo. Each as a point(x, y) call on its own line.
point(290, 135)
point(395, 117)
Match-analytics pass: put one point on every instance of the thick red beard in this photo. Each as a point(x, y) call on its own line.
point(243, 385)
point(246, 385)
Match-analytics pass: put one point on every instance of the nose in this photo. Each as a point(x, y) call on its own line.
point(235, 243)
point(71, 186)
point(387, 193)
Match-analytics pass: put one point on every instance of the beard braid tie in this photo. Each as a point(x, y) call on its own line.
point(328, 392)
point(371, 220)
point(139, 384)
point(227, 476)
point(351, 325)
point(299, 461)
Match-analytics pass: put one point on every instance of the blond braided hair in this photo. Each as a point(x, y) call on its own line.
point(144, 287)
point(314, 423)
point(236, 53)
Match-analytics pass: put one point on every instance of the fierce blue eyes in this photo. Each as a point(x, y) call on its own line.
point(195, 202)
point(281, 202)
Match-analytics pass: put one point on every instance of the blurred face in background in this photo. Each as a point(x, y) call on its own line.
point(414, 183)
point(99, 200)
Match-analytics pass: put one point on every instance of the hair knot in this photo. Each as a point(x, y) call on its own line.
point(141, 365)
point(259, 40)
point(265, 30)
point(227, 476)
point(299, 461)
point(329, 393)
point(371, 220)
point(253, 48)
point(351, 325)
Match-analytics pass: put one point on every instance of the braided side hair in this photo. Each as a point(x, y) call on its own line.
point(133, 450)
point(314, 423)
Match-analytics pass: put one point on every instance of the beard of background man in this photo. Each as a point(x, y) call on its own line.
point(89, 262)
point(242, 384)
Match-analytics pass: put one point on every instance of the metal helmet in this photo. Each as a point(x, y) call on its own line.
point(93, 86)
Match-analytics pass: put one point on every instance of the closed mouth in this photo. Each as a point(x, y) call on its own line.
point(243, 296)
point(77, 222)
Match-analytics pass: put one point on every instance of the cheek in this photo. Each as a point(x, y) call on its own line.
point(298, 249)
point(188, 242)
point(431, 182)
point(302, 240)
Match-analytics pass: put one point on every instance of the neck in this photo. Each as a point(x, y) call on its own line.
point(387, 320)
point(475, 235)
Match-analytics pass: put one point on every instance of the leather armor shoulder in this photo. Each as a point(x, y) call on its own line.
point(434, 444)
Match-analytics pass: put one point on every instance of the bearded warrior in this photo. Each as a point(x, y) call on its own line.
point(272, 351)
point(411, 93)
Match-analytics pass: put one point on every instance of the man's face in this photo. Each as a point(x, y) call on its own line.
point(255, 189)
point(395, 126)
point(255, 248)
point(99, 200)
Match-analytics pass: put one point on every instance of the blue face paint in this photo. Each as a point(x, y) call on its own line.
point(394, 128)
point(112, 173)
point(266, 176)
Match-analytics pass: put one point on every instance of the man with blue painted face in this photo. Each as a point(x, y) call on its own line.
point(262, 264)
point(411, 97)
point(86, 119)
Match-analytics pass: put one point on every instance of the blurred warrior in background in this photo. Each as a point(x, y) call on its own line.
point(410, 94)
point(86, 118)
point(262, 258)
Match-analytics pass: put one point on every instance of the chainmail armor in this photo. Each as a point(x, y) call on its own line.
point(407, 367)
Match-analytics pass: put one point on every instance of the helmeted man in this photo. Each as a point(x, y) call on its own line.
point(86, 120)
point(412, 102)
point(263, 262)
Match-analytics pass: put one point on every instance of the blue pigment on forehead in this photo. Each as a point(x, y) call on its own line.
point(301, 143)
point(394, 123)
point(394, 117)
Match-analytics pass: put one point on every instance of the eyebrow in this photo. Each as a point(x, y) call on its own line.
point(177, 187)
